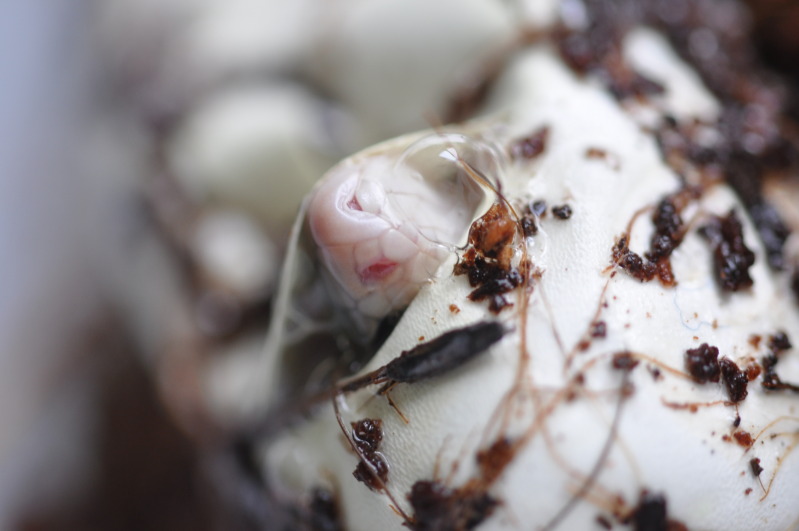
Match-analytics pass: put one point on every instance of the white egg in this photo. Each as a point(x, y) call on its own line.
point(573, 438)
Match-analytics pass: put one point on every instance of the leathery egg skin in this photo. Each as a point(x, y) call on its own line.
point(589, 411)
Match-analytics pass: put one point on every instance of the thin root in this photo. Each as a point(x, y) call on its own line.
point(386, 391)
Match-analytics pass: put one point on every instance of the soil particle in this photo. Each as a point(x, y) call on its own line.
point(624, 361)
point(492, 233)
point(754, 464)
point(598, 329)
point(531, 213)
point(773, 232)
point(731, 257)
point(367, 435)
point(323, 511)
point(755, 340)
point(753, 370)
point(668, 230)
point(702, 363)
point(487, 260)
point(532, 146)
point(631, 262)
point(656, 264)
point(538, 208)
point(595, 153)
point(777, 344)
point(755, 126)
point(440, 508)
point(655, 372)
point(529, 226)
point(735, 380)
point(562, 212)
point(651, 514)
point(743, 438)
point(597, 51)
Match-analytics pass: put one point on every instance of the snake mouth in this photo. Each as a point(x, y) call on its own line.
point(377, 271)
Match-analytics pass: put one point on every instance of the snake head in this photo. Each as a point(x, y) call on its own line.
point(384, 222)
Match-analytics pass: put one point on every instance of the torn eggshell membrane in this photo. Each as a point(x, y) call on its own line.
point(384, 225)
point(558, 425)
point(375, 229)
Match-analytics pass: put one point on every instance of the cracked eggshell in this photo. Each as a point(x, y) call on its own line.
point(689, 457)
point(242, 388)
